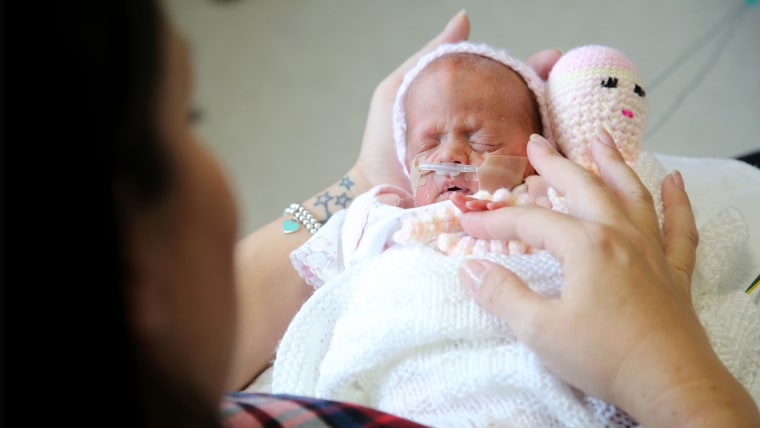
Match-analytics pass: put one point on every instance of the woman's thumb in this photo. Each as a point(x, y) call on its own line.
point(501, 292)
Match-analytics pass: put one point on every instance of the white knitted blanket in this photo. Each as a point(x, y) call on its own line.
point(399, 333)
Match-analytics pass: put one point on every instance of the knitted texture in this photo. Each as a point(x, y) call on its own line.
point(440, 225)
point(594, 87)
point(386, 216)
point(398, 332)
point(531, 78)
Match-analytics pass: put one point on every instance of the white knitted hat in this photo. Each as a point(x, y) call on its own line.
point(531, 78)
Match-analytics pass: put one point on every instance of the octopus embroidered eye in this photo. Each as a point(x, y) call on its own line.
point(611, 82)
point(640, 91)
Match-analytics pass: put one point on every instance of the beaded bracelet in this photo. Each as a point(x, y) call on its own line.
point(302, 216)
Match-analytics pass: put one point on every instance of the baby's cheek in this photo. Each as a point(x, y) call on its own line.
point(415, 155)
point(477, 158)
point(426, 191)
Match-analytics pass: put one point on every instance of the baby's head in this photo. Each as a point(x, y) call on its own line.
point(467, 104)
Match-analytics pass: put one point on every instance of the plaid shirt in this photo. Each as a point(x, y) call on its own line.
point(243, 410)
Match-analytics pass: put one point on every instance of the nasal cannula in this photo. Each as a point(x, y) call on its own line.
point(447, 168)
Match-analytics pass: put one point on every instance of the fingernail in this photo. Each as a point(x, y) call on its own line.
point(454, 18)
point(677, 179)
point(605, 138)
point(473, 270)
point(536, 138)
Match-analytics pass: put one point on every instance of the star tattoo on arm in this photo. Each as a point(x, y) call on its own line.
point(342, 200)
point(346, 183)
point(324, 200)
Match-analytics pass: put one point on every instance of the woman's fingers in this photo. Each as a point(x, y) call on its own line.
point(634, 198)
point(504, 294)
point(532, 224)
point(467, 203)
point(543, 61)
point(457, 29)
point(680, 233)
point(587, 196)
point(616, 196)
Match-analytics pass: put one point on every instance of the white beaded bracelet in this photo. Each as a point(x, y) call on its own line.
point(302, 216)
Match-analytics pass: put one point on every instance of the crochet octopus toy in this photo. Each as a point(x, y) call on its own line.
point(594, 87)
point(590, 88)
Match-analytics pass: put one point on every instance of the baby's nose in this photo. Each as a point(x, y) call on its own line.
point(454, 151)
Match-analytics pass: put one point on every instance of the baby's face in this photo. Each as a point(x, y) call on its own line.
point(461, 108)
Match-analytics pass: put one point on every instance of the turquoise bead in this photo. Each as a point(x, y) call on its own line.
point(290, 226)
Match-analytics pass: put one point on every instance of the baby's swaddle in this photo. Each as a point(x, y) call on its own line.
point(399, 333)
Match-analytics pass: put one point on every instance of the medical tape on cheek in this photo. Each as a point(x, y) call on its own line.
point(418, 178)
point(501, 171)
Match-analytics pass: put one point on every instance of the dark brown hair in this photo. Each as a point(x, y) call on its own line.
point(108, 83)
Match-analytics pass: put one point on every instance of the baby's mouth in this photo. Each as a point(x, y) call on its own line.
point(449, 189)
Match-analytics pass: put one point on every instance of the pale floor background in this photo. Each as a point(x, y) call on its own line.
point(284, 85)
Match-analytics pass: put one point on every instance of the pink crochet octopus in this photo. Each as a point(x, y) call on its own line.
point(590, 88)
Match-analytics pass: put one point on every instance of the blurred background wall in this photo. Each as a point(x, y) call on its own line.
point(284, 85)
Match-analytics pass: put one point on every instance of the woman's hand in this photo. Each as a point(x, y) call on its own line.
point(624, 328)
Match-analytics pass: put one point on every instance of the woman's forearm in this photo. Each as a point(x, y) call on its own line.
point(706, 395)
point(270, 291)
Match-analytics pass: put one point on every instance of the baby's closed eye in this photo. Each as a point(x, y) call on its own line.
point(485, 141)
point(485, 148)
point(426, 145)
